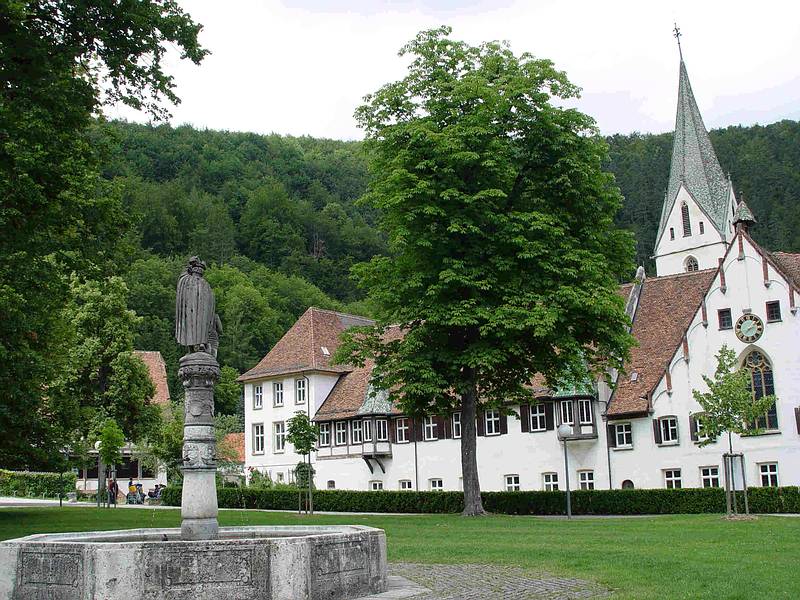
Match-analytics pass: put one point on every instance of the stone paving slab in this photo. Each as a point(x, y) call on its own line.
point(486, 582)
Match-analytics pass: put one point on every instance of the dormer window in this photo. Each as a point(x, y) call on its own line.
point(687, 225)
point(691, 264)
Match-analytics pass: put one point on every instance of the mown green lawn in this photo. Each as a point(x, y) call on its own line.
point(688, 556)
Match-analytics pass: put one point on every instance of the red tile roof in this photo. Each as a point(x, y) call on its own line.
point(666, 308)
point(304, 346)
point(158, 374)
point(234, 442)
point(789, 263)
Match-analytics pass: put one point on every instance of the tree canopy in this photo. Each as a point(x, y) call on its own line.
point(505, 259)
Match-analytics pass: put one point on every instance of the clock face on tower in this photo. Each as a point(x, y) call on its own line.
point(749, 328)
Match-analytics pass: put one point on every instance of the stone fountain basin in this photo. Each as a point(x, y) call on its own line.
point(275, 563)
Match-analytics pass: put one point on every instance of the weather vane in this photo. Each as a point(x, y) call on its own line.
point(677, 34)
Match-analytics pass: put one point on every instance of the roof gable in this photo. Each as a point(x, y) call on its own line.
point(158, 374)
point(308, 345)
point(666, 308)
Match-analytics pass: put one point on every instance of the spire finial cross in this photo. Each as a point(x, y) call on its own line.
point(677, 33)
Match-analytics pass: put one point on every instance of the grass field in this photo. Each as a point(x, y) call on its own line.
point(691, 556)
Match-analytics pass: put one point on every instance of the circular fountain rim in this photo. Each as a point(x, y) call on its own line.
point(156, 535)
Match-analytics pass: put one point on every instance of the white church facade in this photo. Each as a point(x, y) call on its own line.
point(714, 285)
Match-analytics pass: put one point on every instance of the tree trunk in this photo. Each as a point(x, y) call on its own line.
point(473, 506)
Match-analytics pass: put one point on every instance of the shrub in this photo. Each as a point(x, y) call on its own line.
point(32, 484)
point(584, 502)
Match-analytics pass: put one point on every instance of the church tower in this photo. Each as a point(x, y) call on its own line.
point(697, 218)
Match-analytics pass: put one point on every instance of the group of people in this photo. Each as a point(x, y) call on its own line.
point(135, 493)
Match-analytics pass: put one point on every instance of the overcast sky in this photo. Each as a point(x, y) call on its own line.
point(301, 67)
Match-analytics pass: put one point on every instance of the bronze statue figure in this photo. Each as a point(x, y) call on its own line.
point(197, 326)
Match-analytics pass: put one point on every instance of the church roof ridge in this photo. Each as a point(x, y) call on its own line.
point(694, 162)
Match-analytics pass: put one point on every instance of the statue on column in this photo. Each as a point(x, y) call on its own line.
point(197, 326)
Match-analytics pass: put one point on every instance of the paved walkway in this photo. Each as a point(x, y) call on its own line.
point(482, 582)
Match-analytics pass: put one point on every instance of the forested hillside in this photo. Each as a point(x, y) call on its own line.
point(277, 216)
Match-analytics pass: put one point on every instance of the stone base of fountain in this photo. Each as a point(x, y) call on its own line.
point(275, 563)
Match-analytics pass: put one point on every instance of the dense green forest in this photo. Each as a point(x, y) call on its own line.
point(278, 217)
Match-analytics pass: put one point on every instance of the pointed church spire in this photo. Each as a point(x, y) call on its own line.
point(694, 163)
point(744, 216)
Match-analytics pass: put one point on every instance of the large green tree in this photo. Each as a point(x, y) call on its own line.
point(505, 259)
point(60, 61)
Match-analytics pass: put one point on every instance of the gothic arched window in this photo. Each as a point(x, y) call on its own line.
point(762, 384)
point(691, 264)
point(687, 225)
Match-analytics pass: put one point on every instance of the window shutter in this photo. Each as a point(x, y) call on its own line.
point(525, 417)
point(481, 423)
point(440, 432)
point(549, 417)
point(693, 428)
point(612, 435)
point(657, 431)
point(503, 423)
point(419, 429)
point(797, 417)
point(447, 427)
point(391, 425)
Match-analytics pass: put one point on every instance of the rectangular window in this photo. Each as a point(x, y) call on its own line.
point(258, 397)
point(341, 433)
point(769, 474)
point(566, 412)
point(512, 483)
point(258, 438)
point(299, 391)
point(702, 228)
point(669, 430)
point(324, 434)
point(367, 430)
point(375, 485)
point(709, 477)
point(277, 393)
point(492, 418)
point(435, 485)
point(624, 433)
point(550, 482)
point(401, 426)
point(355, 432)
point(381, 430)
point(457, 425)
point(538, 421)
point(773, 311)
point(279, 436)
point(585, 410)
point(586, 480)
point(725, 319)
point(672, 479)
point(405, 484)
point(430, 429)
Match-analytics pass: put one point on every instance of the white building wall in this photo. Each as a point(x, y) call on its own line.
point(526, 454)
point(780, 343)
point(280, 465)
point(706, 247)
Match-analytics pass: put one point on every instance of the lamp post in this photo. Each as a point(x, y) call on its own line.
point(97, 445)
point(564, 431)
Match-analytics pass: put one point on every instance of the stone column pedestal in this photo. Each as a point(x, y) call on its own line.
point(198, 372)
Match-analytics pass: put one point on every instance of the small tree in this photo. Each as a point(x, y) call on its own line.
point(729, 405)
point(111, 441)
point(303, 434)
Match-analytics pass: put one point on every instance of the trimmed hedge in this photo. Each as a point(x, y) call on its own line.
point(32, 484)
point(584, 502)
